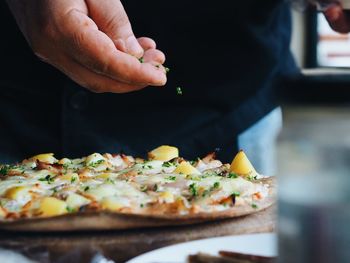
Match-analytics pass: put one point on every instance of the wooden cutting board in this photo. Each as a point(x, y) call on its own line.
point(123, 245)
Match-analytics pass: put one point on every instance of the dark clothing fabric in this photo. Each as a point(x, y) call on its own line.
point(226, 56)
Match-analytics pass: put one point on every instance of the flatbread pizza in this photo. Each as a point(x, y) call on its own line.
point(116, 191)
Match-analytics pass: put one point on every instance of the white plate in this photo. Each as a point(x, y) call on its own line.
point(257, 244)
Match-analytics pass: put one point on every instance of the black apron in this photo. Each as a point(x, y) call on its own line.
point(227, 59)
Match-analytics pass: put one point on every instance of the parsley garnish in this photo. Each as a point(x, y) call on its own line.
point(255, 206)
point(252, 178)
point(144, 188)
point(47, 178)
point(142, 60)
point(171, 178)
point(216, 185)
point(6, 168)
point(193, 189)
point(167, 164)
point(232, 175)
point(86, 188)
point(155, 188)
point(97, 163)
point(73, 179)
point(70, 210)
point(167, 70)
point(236, 193)
point(178, 91)
point(109, 180)
point(142, 205)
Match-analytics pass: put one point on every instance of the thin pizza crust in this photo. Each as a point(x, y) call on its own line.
point(105, 220)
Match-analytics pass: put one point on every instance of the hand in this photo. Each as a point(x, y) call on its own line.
point(92, 42)
point(338, 19)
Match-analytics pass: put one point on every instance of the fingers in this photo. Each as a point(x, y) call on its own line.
point(154, 55)
point(93, 81)
point(95, 50)
point(111, 18)
point(147, 43)
point(337, 19)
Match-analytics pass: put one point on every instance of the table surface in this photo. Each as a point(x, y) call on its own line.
point(123, 245)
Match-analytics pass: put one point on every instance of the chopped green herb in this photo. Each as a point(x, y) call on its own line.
point(157, 66)
point(97, 163)
point(205, 193)
point(193, 189)
point(216, 185)
point(142, 60)
point(86, 188)
point(6, 168)
point(73, 179)
point(254, 206)
point(167, 164)
point(171, 178)
point(232, 175)
point(143, 188)
point(142, 205)
point(252, 178)
point(147, 166)
point(167, 70)
point(178, 91)
point(109, 180)
point(70, 210)
point(236, 193)
point(155, 188)
point(66, 165)
point(47, 178)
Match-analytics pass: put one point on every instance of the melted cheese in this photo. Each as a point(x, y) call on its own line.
point(118, 182)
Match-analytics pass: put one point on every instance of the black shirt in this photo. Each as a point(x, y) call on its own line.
point(226, 57)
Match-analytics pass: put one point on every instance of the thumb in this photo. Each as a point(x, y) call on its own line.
point(111, 18)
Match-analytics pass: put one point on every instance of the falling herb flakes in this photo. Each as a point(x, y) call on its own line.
point(179, 91)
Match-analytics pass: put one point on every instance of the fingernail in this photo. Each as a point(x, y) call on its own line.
point(133, 47)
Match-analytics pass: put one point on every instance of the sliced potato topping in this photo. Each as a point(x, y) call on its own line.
point(51, 206)
point(164, 153)
point(186, 168)
point(45, 158)
point(241, 165)
point(2, 212)
point(75, 201)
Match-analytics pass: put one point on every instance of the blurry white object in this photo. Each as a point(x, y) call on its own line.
point(257, 244)
point(8, 256)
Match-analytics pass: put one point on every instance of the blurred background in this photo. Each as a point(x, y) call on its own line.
point(316, 105)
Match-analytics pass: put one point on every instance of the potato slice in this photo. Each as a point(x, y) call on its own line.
point(19, 193)
point(164, 153)
point(166, 197)
point(75, 201)
point(241, 165)
point(113, 203)
point(2, 212)
point(186, 168)
point(45, 158)
point(51, 206)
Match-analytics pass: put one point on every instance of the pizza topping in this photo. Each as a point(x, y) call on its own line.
point(44, 186)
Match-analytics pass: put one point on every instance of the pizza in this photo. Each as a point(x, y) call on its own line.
point(163, 187)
